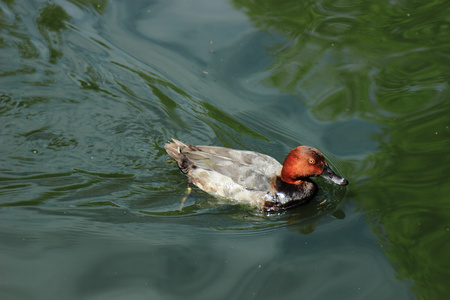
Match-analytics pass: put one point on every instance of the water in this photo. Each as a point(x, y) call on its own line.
point(90, 201)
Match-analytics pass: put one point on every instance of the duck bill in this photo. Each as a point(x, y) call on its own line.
point(329, 175)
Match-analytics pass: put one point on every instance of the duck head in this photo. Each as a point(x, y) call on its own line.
point(303, 162)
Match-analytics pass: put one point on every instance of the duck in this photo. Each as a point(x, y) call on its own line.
point(251, 177)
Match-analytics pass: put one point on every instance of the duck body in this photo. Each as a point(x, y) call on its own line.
point(251, 177)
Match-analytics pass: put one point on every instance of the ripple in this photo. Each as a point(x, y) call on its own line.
point(407, 82)
point(333, 27)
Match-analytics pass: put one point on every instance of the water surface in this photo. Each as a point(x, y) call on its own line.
point(90, 202)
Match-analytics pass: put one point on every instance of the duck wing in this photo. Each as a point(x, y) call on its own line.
point(251, 170)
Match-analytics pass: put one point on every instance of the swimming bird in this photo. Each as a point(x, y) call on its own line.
point(251, 177)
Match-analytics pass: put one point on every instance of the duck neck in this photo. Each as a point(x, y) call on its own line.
point(289, 180)
point(287, 175)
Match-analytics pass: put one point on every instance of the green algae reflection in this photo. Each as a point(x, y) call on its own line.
point(386, 63)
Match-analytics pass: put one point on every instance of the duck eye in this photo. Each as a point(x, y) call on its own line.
point(311, 161)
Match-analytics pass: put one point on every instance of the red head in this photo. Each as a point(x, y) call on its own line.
point(303, 162)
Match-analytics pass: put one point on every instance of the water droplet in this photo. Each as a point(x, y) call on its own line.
point(34, 151)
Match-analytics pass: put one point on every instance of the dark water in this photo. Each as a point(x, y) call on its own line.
point(90, 202)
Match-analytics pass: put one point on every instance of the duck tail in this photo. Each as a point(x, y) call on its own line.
point(175, 150)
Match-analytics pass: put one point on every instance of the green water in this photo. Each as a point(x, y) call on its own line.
point(90, 201)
